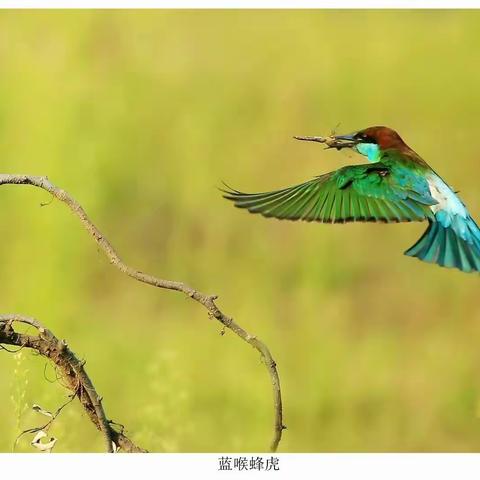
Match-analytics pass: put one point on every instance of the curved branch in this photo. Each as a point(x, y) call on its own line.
point(208, 301)
point(73, 374)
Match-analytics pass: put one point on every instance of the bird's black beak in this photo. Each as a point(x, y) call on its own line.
point(347, 138)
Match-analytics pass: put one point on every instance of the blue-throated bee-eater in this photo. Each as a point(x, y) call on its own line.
point(397, 185)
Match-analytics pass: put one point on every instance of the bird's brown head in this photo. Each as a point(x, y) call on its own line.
point(371, 142)
point(384, 137)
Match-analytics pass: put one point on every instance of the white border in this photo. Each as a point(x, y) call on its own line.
point(205, 466)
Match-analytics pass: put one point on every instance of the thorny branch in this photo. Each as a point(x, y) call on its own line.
point(208, 301)
point(73, 375)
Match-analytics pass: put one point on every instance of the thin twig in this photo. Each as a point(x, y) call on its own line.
point(46, 426)
point(208, 301)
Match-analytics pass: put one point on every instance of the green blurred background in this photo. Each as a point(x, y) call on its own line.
point(140, 116)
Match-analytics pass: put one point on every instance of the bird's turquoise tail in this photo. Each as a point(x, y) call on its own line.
point(455, 245)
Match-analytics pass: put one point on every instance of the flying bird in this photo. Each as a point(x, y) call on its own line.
point(397, 185)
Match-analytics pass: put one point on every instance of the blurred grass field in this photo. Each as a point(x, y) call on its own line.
point(140, 116)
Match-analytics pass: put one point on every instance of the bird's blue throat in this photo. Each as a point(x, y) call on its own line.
point(370, 150)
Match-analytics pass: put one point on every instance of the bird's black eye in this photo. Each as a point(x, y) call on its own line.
point(364, 138)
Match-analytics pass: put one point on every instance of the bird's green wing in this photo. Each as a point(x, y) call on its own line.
point(369, 193)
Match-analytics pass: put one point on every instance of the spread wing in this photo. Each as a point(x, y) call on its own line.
point(365, 193)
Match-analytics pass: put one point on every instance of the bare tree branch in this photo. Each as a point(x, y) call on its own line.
point(73, 375)
point(208, 301)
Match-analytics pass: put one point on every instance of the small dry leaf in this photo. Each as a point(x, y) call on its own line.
point(44, 447)
point(39, 409)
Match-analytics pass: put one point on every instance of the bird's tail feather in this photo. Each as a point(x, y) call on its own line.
point(455, 246)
